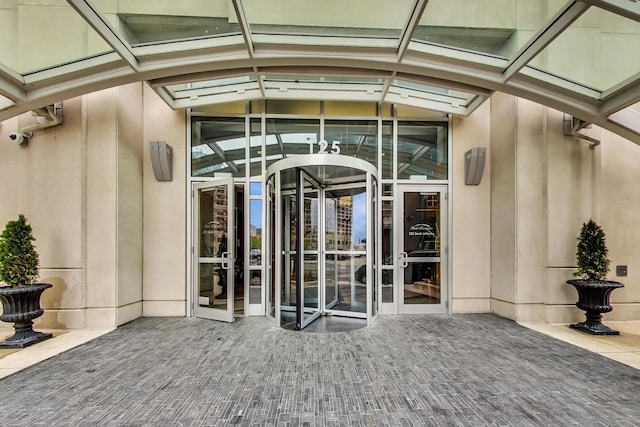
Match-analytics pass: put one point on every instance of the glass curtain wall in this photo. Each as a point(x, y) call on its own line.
point(243, 146)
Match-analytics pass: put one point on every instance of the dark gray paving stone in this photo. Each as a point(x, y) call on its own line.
point(461, 370)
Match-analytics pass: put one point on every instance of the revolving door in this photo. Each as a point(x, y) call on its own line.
point(321, 239)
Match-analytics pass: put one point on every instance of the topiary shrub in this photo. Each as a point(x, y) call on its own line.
point(591, 255)
point(19, 260)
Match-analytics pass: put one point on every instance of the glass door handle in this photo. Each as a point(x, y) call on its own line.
point(404, 260)
point(225, 261)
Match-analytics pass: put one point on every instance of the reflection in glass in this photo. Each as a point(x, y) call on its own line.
point(255, 286)
point(422, 149)
point(311, 220)
point(286, 138)
point(422, 283)
point(271, 241)
point(255, 154)
point(422, 225)
point(214, 206)
point(357, 138)
point(218, 145)
point(212, 282)
point(387, 251)
point(373, 232)
point(346, 282)
point(387, 150)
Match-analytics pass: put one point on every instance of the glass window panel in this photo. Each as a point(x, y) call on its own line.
point(422, 150)
point(255, 152)
point(218, 145)
point(310, 221)
point(496, 27)
point(387, 189)
point(255, 287)
point(330, 228)
point(346, 219)
point(345, 281)
point(595, 51)
point(36, 38)
point(290, 137)
point(255, 232)
point(162, 20)
point(213, 216)
point(328, 18)
point(358, 138)
point(387, 151)
point(387, 251)
point(255, 188)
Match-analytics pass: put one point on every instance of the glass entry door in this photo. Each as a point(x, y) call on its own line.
point(307, 262)
point(422, 268)
point(214, 249)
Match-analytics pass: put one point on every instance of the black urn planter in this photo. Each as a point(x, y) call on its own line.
point(21, 305)
point(593, 297)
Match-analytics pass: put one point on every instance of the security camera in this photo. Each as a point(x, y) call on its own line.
point(18, 137)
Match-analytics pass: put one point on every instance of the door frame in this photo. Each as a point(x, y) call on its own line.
point(445, 240)
point(225, 315)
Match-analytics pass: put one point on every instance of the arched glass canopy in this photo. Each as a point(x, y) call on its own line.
point(579, 57)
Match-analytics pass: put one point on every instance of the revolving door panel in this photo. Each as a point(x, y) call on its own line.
point(320, 215)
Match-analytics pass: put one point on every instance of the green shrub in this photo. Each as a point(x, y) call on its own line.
point(591, 254)
point(18, 258)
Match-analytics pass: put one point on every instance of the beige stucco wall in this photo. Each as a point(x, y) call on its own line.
point(164, 213)
point(470, 249)
point(503, 207)
point(80, 186)
point(544, 185)
point(620, 195)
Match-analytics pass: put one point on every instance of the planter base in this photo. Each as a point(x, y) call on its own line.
point(21, 340)
point(594, 328)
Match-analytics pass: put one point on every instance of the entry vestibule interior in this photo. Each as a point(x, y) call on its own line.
point(320, 239)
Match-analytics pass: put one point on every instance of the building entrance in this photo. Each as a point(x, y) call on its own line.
point(320, 230)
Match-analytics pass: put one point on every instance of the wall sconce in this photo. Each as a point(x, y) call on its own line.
point(474, 165)
point(162, 160)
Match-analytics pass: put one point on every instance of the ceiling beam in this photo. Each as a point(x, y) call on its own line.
point(627, 8)
point(106, 31)
point(622, 96)
point(556, 25)
point(410, 28)
point(11, 84)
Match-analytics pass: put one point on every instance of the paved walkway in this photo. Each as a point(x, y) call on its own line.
point(459, 370)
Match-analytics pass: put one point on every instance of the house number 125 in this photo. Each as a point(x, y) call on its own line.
point(335, 147)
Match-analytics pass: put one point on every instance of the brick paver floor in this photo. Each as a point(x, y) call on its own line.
point(460, 370)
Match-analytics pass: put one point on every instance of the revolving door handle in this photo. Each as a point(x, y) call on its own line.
point(404, 259)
